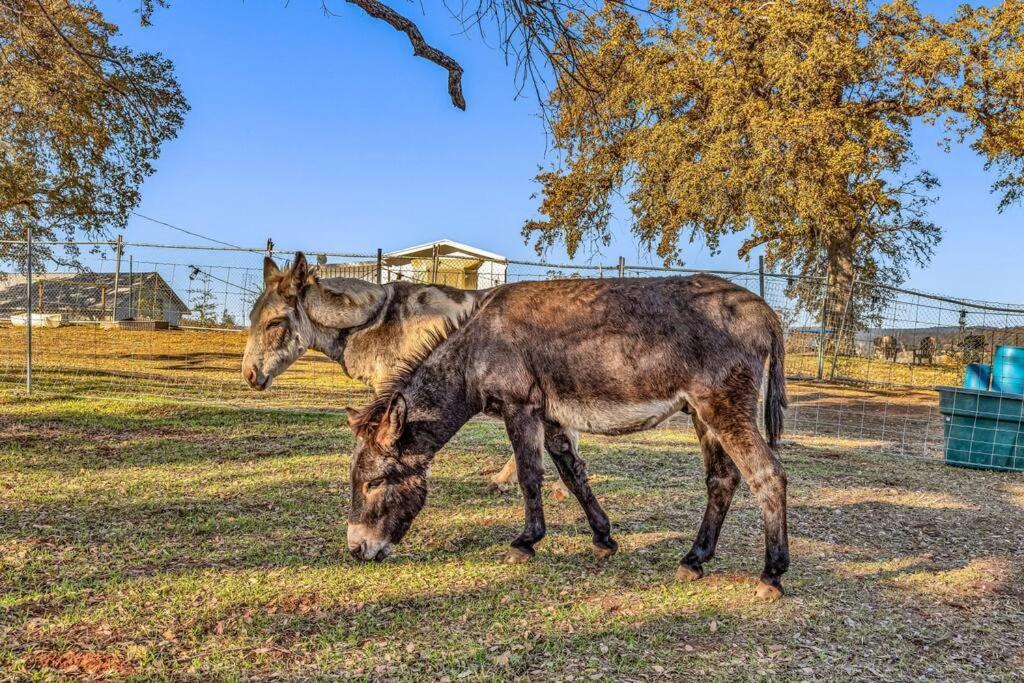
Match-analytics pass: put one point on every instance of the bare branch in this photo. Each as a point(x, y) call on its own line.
point(420, 48)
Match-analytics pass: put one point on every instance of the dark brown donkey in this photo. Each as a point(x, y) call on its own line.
point(597, 356)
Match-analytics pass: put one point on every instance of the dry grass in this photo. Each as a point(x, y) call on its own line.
point(205, 366)
point(206, 363)
point(158, 540)
point(876, 371)
point(189, 364)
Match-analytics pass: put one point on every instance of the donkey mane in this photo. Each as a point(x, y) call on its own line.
point(368, 418)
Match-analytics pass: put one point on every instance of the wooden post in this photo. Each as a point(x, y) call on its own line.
point(622, 266)
point(39, 304)
point(380, 264)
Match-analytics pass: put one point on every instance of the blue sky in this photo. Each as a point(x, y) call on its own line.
point(326, 134)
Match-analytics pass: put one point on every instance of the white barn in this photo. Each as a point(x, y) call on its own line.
point(443, 262)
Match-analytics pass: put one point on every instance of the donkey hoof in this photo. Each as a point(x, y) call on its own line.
point(499, 487)
point(768, 592)
point(517, 556)
point(603, 552)
point(559, 492)
point(686, 573)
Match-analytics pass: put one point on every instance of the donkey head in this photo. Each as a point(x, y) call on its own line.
point(389, 478)
point(279, 329)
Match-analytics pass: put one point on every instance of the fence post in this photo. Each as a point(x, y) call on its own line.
point(821, 329)
point(131, 281)
point(380, 264)
point(622, 266)
point(270, 248)
point(118, 247)
point(760, 276)
point(28, 310)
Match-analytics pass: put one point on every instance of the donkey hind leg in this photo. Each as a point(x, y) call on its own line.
point(562, 445)
point(763, 473)
point(505, 478)
point(722, 478)
point(526, 431)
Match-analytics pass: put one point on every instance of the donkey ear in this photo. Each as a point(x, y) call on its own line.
point(270, 269)
point(296, 277)
point(353, 415)
point(299, 271)
point(391, 426)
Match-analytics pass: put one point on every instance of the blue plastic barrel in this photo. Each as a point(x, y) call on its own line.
point(977, 376)
point(1008, 370)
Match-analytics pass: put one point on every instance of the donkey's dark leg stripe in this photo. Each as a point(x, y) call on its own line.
point(526, 431)
point(722, 478)
point(562, 446)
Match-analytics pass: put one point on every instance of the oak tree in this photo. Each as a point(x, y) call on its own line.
point(788, 121)
point(82, 121)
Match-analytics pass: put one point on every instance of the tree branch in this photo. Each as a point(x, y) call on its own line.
point(757, 241)
point(420, 48)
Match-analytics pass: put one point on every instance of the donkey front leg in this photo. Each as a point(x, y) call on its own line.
point(563, 446)
point(722, 478)
point(526, 430)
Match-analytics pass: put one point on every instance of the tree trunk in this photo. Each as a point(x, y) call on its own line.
point(838, 290)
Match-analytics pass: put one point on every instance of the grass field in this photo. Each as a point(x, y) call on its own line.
point(875, 371)
point(151, 539)
point(198, 365)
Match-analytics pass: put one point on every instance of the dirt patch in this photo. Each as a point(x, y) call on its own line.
point(84, 664)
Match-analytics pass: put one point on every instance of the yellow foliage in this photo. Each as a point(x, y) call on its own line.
point(788, 120)
point(82, 119)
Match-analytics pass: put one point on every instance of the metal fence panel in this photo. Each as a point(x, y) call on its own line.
point(169, 320)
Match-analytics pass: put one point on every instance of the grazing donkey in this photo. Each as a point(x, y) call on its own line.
point(366, 328)
point(598, 356)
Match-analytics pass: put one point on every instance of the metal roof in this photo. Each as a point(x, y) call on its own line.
point(80, 290)
point(451, 244)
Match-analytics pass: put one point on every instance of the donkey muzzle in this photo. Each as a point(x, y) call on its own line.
point(255, 378)
point(365, 548)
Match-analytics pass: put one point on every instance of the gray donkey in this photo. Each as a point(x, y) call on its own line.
point(368, 329)
point(598, 356)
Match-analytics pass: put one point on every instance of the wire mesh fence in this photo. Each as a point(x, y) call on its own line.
point(126, 319)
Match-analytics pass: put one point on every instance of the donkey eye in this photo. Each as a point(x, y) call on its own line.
point(276, 323)
point(373, 484)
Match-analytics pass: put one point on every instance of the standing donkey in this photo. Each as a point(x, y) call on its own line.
point(598, 356)
point(368, 329)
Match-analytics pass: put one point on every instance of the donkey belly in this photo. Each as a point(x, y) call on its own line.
point(602, 416)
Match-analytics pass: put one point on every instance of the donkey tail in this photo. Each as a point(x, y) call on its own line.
point(775, 396)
